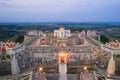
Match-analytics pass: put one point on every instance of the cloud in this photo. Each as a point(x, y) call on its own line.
point(59, 10)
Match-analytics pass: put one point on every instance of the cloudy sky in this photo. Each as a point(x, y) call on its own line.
point(59, 10)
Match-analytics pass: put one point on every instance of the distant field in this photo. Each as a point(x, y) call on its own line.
point(10, 30)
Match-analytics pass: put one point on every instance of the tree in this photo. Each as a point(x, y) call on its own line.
point(103, 39)
point(20, 39)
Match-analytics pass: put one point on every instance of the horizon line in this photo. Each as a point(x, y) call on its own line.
point(60, 22)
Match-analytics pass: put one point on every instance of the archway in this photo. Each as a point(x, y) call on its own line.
point(63, 57)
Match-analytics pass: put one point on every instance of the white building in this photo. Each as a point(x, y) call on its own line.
point(91, 33)
point(82, 33)
point(36, 33)
point(12, 47)
point(112, 47)
point(15, 50)
point(62, 33)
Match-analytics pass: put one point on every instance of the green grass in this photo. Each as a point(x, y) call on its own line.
point(118, 56)
point(25, 77)
point(101, 78)
point(8, 56)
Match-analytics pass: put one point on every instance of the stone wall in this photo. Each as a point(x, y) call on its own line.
point(5, 68)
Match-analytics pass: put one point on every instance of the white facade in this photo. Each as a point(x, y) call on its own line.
point(91, 33)
point(32, 32)
point(82, 33)
point(35, 33)
point(14, 66)
point(111, 50)
point(15, 49)
point(112, 47)
point(12, 47)
point(62, 33)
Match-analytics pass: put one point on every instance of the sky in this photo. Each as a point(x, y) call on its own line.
point(59, 10)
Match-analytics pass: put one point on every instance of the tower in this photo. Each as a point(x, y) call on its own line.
point(14, 66)
point(99, 38)
point(63, 66)
point(111, 67)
